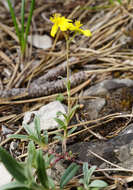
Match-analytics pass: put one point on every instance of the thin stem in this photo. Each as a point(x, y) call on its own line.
point(29, 22)
point(68, 75)
point(64, 142)
point(14, 20)
point(22, 24)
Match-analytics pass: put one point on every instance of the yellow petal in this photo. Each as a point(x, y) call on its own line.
point(54, 30)
point(86, 32)
point(78, 24)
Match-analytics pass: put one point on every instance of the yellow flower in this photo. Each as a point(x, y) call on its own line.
point(86, 32)
point(77, 28)
point(59, 22)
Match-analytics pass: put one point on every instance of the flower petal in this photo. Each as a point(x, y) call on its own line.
point(54, 30)
point(86, 32)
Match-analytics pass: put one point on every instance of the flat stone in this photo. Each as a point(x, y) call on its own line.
point(118, 150)
point(92, 107)
point(103, 87)
point(5, 177)
point(46, 115)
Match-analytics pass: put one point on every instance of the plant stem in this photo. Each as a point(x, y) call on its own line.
point(14, 20)
point(28, 23)
point(22, 24)
point(68, 75)
point(64, 141)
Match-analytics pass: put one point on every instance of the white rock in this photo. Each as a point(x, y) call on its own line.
point(43, 42)
point(5, 177)
point(46, 114)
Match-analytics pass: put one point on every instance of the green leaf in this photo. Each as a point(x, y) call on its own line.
point(88, 173)
point(69, 174)
point(31, 161)
point(41, 170)
point(72, 112)
point(59, 113)
point(72, 130)
point(22, 23)
point(48, 159)
point(60, 97)
point(13, 186)
point(81, 188)
point(51, 183)
point(14, 20)
point(58, 137)
point(28, 130)
point(13, 167)
point(37, 128)
point(45, 137)
point(32, 154)
point(119, 1)
point(68, 85)
point(25, 137)
point(34, 138)
point(60, 122)
point(29, 23)
point(98, 183)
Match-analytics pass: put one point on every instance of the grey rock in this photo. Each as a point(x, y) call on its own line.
point(118, 150)
point(46, 115)
point(93, 107)
point(5, 176)
point(103, 87)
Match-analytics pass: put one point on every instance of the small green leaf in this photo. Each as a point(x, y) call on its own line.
point(119, 1)
point(41, 170)
point(64, 115)
point(98, 183)
point(37, 127)
point(68, 85)
point(88, 173)
point(28, 130)
point(72, 130)
point(60, 122)
point(58, 137)
point(13, 186)
point(51, 183)
point(60, 97)
point(14, 168)
point(81, 188)
point(45, 137)
point(25, 137)
point(68, 174)
point(72, 112)
point(34, 138)
point(31, 161)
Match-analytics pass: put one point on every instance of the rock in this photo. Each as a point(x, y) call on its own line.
point(103, 87)
point(92, 107)
point(46, 115)
point(5, 177)
point(42, 42)
point(118, 150)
